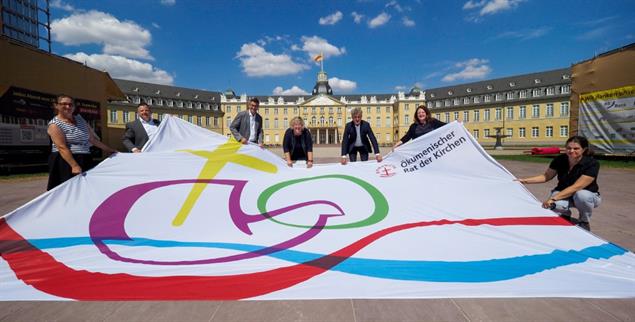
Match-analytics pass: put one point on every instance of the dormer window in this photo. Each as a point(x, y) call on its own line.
point(490, 87)
point(469, 90)
point(565, 76)
point(178, 94)
point(432, 95)
point(512, 84)
point(136, 89)
point(196, 96)
point(450, 92)
point(537, 81)
point(158, 92)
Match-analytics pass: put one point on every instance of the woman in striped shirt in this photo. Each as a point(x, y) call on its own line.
point(72, 138)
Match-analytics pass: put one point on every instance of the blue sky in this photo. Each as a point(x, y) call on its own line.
point(370, 46)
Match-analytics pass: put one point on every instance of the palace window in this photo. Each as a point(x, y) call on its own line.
point(510, 112)
point(521, 132)
point(486, 115)
point(475, 134)
point(564, 131)
point(535, 132)
point(466, 116)
point(535, 111)
point(522, 113)
point(549, 131)
point(549, 111)
point(564, 108)
point(477, 115)
point(499, 114)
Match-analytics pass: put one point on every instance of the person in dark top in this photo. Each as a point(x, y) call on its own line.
point(358, 137)
point(577, 187)
point(297, 143)
point(423, 123)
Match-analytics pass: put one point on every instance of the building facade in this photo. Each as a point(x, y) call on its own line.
point(195, 106)
point(527, 110)
point(325, 114)
point(27, 21)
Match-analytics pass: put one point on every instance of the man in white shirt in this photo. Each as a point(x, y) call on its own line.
point(139, 131)
point(247, 125)
point(358, 138)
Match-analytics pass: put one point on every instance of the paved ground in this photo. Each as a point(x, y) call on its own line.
point(613, 221)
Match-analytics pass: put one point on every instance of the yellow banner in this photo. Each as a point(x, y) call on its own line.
point(614, 93)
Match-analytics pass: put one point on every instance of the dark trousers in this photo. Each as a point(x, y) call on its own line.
point(60, 171)
point(363, 153)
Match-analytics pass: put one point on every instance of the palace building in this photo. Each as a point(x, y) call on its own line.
point(195, 106)
point(527, 110)
point(325, 114)
point(524, 110)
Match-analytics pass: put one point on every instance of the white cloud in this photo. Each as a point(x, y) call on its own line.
point(489, 7)
point(496, 6)
point(124, 38)
point(394, 4)
point(596, 33)
point(380, 20)
point(156, 25)
point(408, 22)
point(315, 45)
point(525, 34)
point(59, 4)
point(257, 62)
point(471, 69)
point(401, 88)
point(357, 17)
point(342, 85)
point(472, 4)
point(331, 19)
point(294, 90)
point(168, 2)
point(122, 67)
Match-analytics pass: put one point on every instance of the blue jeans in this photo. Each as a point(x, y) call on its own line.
point(584, 200)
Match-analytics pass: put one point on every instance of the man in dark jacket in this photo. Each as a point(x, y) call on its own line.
point(358, 137)
point(139, 131)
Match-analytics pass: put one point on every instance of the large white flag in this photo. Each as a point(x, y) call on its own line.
point(199, 216)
